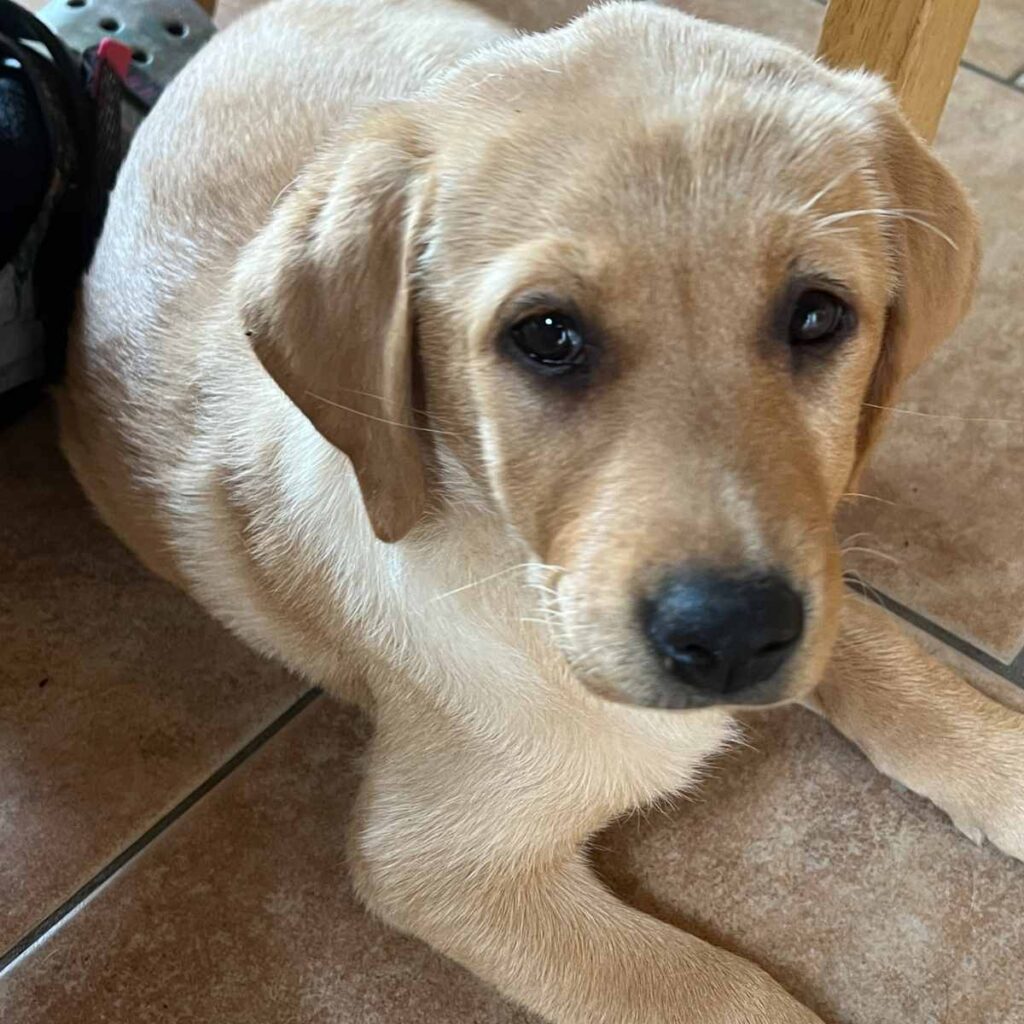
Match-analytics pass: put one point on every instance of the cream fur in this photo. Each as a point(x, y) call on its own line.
point(491, 763)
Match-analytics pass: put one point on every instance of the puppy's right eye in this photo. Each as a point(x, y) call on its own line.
point(553, 342)
point(819, 317)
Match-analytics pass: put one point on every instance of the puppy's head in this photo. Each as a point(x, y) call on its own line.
point(650, 281)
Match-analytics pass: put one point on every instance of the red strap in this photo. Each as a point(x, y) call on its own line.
point(116, 54)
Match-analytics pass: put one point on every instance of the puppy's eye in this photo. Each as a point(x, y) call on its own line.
point(818, 318)
point(552, 340)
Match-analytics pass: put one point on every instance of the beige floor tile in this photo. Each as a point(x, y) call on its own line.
point(859, 896)
point(117, 694)
point(795, 21)
point(997, 38)
point(241, 913)
point(956, 530)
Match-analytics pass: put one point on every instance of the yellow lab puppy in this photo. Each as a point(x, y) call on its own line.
point(512, 383)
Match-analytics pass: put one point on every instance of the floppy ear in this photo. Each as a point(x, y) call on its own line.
point(933, 235)
point(325, 299)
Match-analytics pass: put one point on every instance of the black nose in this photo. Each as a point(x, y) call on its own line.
point(722, 634)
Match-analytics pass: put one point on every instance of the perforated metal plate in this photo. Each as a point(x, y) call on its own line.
point(162, 34)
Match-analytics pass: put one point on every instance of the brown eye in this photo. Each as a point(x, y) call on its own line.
point(818, 318)
point(551, 340)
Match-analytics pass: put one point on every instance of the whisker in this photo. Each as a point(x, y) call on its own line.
point(821, 193)
point(852, 538)
point(482, 580)
point(928, 226)
point(869, 497)
point(873, 552)
point(852, 576)
point(381, 419)
point(909, 215)
point(382, 398)
point(945, 416)
point(545, 566)
point(287, 188)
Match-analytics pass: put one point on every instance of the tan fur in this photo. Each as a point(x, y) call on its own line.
point(286, 394)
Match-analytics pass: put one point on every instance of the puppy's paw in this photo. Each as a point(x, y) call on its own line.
point(986, 800)
point(999, 818)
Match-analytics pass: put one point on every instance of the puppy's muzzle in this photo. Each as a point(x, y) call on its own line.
point(723, 638)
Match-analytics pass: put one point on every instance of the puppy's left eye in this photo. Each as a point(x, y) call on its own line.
point(552, 341)
point(819, 317)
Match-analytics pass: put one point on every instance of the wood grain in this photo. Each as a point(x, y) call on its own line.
point(915, 44)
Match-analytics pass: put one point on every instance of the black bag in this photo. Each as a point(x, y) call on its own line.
point(50, 209)
point(68, 107)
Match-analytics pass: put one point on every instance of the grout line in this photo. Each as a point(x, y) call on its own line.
point(109, 870)
point(992, 76)
point(1013, 673)
point(1017, 667)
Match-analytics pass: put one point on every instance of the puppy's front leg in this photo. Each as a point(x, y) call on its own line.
point(474, 846)
point(924, 726)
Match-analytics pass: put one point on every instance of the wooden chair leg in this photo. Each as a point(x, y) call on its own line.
point(915, 44)
point(210, 6)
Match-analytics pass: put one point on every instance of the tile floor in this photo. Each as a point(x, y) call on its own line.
point(172, 808)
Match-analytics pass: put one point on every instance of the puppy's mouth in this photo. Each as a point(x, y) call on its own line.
point(659, 687)
point(649, 689)
point(704, 639)
point(770, 693)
